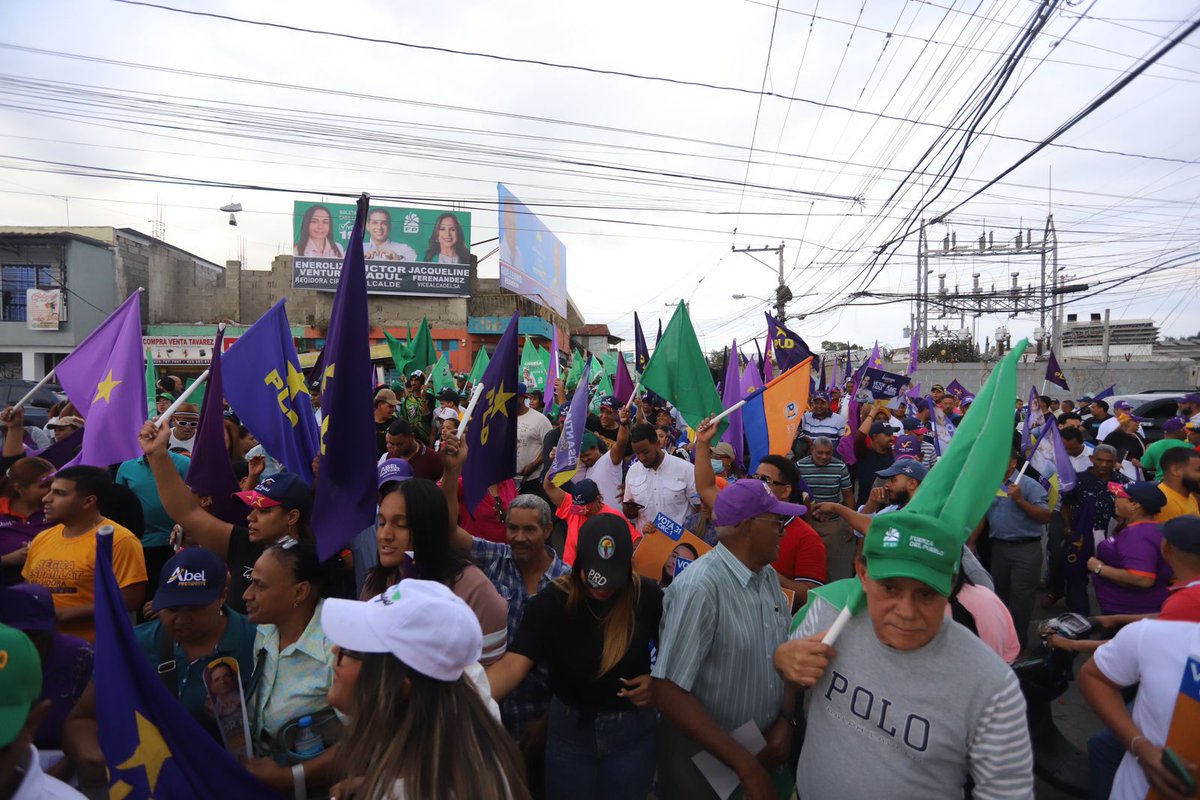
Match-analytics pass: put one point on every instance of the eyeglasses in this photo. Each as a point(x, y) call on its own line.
point(765, 479)
point(773, 522)
point(343, 652)
point(186, 423)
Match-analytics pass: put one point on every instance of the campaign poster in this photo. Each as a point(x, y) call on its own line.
point(408, 251)
point(533, 262)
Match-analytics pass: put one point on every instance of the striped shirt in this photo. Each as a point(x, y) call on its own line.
point(825, 483)
point(918, 722)
point(831, 426)
point(720, 628)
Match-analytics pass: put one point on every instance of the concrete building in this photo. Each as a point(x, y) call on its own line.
point(75, 278)
point(594, 338)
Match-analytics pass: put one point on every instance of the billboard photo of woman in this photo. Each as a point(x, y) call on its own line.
point(315, 230)
point(446, 245)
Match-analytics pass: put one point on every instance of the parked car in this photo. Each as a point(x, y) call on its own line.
point(1155, 406)
point(37, 408)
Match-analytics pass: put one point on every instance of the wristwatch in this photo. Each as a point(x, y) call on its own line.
point(1098, 568)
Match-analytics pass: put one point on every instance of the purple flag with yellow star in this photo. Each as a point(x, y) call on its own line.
point(152, 746)
point(492, 431)
point(105, 381)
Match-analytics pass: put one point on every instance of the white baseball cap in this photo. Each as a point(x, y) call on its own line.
point(422, 623)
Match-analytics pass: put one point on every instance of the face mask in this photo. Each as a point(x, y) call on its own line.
point(527, 402)
point(718, 466)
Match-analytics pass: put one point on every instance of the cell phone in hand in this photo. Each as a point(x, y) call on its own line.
point(1174, 765)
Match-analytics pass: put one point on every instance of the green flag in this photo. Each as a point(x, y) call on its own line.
point(678, 372)
point(442, 377)
point(576, 371)
point(400, 354)
point(481, 362)
point(151, 378)
point(532, 369)
point(424, 354)
point(544, 355)
point(610, 364)
point(604, 388)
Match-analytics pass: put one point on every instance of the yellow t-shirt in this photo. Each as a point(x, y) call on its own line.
point(67, 567)
point(1177, 505)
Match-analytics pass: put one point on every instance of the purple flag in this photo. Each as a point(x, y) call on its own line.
point(751, 378)
point(1054, 373)
point(873, 360)
point(790, 349)
point(732, 394)
point(345, 484)
point(570, 443)
point(759, 362)
point(1050, 458)
point(641, 353)
point(1109, 392)
point(62, 453)
point(912, 355)
point(845, 445)
point(211, 472)
point(822, 386)
point(914, 390)
point(105, 380)
point(622, 382)
point(957, 389)
point(1030, 422)
point(492, 433)
point(552, 372)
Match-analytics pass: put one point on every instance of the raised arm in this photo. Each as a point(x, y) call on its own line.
point(554, 494)
point(706, 479)
point(617, 452)
point(14, 436)
point(454, 455)
point(181, 505)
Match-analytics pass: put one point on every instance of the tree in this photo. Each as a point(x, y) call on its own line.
point(949, 350)
point(837, 347)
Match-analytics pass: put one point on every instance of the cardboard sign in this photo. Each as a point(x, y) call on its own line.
point(658, 549)
point(668, 526)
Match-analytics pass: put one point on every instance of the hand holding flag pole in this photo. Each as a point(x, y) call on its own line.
point(633, 396)
point(476, 392)
point(165, 417)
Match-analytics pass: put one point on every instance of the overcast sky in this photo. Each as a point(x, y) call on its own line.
point(642, 180)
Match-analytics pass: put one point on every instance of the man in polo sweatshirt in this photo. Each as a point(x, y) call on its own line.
point(908, 699)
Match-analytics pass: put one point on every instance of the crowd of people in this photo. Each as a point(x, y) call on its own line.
point(517, 649)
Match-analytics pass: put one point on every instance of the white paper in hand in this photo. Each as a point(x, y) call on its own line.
point(722, 779)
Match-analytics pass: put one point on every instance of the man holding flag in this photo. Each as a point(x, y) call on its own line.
point(918, 735)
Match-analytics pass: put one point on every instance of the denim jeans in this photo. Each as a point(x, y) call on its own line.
point(1105, 752)
point(599, 756)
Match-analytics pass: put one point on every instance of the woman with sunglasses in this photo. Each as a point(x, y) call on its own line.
point(413, 537)
point(593, 629)
point(293, 668)
point(417, 725)
point(801, 562)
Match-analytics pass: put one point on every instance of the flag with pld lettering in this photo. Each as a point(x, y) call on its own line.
point(566, 454)
point(151, 744)
point(641, 353)
point(772, 415)
point(210, 471)
point(267, 390)
point(345, 489)
point(1054, 373)
point(678, 372)
point(492, 431)
point(790, 349)
point(104, 379)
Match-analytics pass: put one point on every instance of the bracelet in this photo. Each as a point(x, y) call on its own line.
point(299, 785)
point(1132, 742)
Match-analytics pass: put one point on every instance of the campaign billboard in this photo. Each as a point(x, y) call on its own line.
point(415, 251)
point(533, 262)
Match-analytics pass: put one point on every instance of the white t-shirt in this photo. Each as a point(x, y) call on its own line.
point(1155, 654)
point(532, 427)
point(670, 489)
point(37, 785)
point(607, 476)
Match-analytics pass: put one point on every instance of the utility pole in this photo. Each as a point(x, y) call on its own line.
point(782, 293)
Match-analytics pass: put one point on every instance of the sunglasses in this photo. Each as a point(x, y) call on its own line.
point(343, 652)
point(765, 479)
point(186, 423)
point(498, 507)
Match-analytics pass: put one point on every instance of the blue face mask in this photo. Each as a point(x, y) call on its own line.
point(718, 466)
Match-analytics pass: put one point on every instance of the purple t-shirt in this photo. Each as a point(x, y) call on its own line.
point(1135, 548)
point(16, 532)
point(64, 678)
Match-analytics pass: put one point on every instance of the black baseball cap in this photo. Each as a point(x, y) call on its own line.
point(585, 492)
point(604, 552)
point(882, 427)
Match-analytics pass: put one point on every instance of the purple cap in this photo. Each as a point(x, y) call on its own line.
point(522, 390)
point(393, 469)
point(1192, 397)
point(746, 499)
point(1122, 405)
point(921, 404)
point(907, 446)
point(1173, 424)
point(27, 607)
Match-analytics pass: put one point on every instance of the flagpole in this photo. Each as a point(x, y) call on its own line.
point(476, 391)
point(633, 397)
point(705, 425)
point(164, 417)
point(33, 391)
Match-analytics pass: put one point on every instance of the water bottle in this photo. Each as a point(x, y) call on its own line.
point(308, 741)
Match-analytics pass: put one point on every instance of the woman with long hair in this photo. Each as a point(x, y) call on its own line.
point(316, 229)
point(414, 517)
point(446, 245)
point(593, 629)
point(293, 665)
point(22, 517)
point(418, 728)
